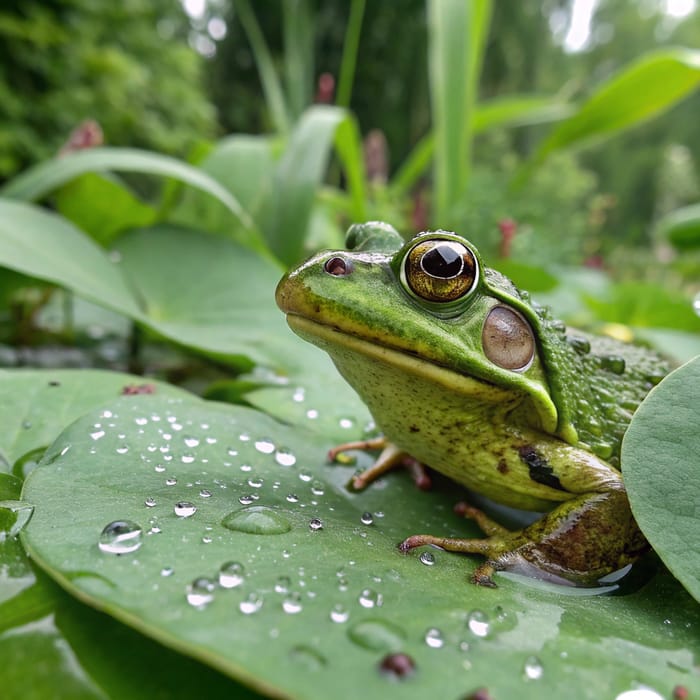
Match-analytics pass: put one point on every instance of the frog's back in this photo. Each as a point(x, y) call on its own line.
point(599, 383)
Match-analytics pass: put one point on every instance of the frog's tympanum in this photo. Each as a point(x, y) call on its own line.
point(463, 373)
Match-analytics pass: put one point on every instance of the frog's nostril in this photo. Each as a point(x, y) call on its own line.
point(337, 266)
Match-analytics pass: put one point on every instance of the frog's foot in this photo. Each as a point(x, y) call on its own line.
point(487, 525)
point(390, 458)
point(489, 547)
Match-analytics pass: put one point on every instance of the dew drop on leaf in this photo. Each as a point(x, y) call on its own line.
point(121, 537)
point(434, 639)
point(377, 635)
point(292, 498)
point(339, 613)
point(167, 571)
point(171, 481)
point(150, 502)
point(285, 457)
point(185, 509)
point(250, 604)
point(205, 493)
point(427, 558)
point(315, 524)
point(478, 623)
point(265, 445)
point(367, 518)
point(292, 603)
point(369, 598)
point(257, 520)
point(282, 584)
point(307, 657)
point(200, 592)
point(532, 668)
point(231, 574)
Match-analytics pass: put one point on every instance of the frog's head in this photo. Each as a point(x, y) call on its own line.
point(430, 299)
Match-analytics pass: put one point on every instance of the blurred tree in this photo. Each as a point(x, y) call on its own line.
point(125, 64)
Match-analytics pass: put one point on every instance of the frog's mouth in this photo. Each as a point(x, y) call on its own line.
point(333, 340)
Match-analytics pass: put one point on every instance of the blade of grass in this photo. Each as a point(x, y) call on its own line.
point(274, 95)
point(298, 29)
point(349, 60)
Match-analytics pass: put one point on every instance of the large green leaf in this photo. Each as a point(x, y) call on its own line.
point(42, 179)
point(44, 245)
point(640, 91)
point(320, 605)
point(196, 289)
point(299, 173)
point(37, 404)
point(102, 206)
point(682, 227)
point(48, 641)
point(660, 464)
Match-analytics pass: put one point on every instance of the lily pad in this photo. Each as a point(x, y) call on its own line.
point(318, 605)
point(660, 464)
point(37, 405)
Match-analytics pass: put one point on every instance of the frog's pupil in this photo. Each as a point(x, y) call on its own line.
point(442, 261)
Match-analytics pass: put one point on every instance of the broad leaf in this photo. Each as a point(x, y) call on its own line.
point(640, 91)
point(315, 607)
point(660, 464)
point(682, 227)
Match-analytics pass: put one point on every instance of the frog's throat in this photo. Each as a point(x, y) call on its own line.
point(328, 337)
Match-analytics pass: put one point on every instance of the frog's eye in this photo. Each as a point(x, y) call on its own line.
point(440, 270)
point(507, 339)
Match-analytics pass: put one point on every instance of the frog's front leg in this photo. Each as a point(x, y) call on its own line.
point(579, 541)
point(390, 458)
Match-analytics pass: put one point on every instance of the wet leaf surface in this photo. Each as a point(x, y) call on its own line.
point(321, 596)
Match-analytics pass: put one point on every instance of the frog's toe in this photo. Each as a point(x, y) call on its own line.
point(483, 575)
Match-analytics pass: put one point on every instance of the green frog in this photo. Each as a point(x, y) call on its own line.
point(462, 372)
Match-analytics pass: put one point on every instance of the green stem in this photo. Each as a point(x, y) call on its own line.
point(350, 46)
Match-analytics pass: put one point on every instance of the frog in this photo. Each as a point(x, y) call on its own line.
point(465, 373)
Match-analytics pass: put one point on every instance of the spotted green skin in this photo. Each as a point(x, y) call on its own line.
point(544, 439)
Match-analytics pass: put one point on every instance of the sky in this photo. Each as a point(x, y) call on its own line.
point(580, 27)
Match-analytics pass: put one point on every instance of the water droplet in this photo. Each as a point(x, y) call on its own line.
point(185, 509)
point(346, 423)
point(478, 623)
point(317, 488)
point(292, 604)
point(159, 468)
point(434, 639)
point(167, 571)
point(696, 304)
point(244, 437)
point(370, 598)
point(309, 658)
point(339, 613)
point(342, 584)
point(200, 592)
point(282, 585)
point(397, 665)
point(97, 434)
point(122, 449)
point(121, 537)
point(206, 539)
point(367, 519)
point(643, 692)
point(250, 604)
point(265, 445)
point(613, 363)
point(255, 482)
point(532, 668)
point(315, 524)
point(377, 635)
point(312, 414)
point(257, 520)
point(187, 459)
point(191, 441)
point(231, 452)
point(305, 476)
point(427, 558)
point(149, 502)
point(298, 395)
point(285, 457)
point(171, 481)
point(246, 500)
point(231, 574)
point(205, 493)
point(293, 498)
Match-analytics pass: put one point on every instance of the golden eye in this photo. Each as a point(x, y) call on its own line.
point(440, 270)
point(507, 339)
